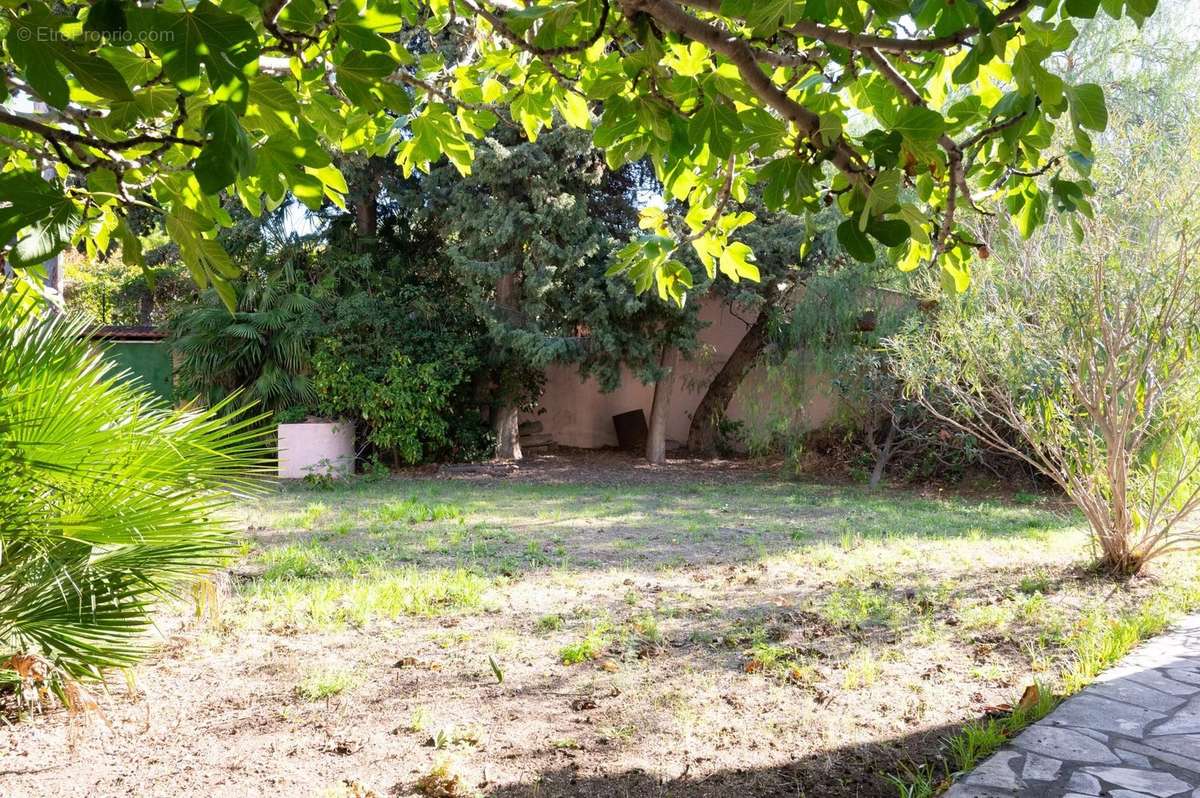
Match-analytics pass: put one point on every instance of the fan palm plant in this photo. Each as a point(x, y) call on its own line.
point(262, 349)
point(109, 499)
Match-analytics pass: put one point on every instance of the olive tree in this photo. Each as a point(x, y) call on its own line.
point(1088, 348)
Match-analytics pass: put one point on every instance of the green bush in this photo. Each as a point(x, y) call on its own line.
point(399, 352)
point(109, 499)
point(403, 404)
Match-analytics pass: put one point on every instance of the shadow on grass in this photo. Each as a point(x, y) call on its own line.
point(853, 771)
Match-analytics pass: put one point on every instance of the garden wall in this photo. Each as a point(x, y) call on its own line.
point(575, 412)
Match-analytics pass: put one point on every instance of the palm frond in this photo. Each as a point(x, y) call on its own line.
point(108, 497)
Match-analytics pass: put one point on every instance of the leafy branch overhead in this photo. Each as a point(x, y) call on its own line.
point(904, 115)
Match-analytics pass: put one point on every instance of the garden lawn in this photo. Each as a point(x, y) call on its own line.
point(583, 629)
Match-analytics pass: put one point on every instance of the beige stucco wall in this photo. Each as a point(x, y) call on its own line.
point(575, 412)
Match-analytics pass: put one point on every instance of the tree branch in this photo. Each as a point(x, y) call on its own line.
point(60, 135)
point(670, 16)
point(857, 41)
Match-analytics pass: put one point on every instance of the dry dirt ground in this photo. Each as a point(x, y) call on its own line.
point(585, 626)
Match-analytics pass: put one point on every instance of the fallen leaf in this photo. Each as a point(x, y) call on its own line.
point(1030, 697)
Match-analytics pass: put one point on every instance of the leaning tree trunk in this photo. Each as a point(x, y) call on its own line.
point(656, 436)
point(508, 435)
point(702, 435)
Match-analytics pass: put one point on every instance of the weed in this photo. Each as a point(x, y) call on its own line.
point(325, 683)
point(376, 594)
point(566, 744)
point(915, 782)
point(549, 623)
point(419, 720)
point(986, 617)
point(780, 662)
point(854, 608)
point(298, 561)
point(590, 647)
point(451, 735)
point(862, 670)
point(1038, 583)
point(415, 511)
point(443, 781)
point(643, 636)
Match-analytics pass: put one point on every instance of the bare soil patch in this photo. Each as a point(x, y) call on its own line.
point(582, 625)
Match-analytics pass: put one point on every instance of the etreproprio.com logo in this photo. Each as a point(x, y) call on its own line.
point(94, 37)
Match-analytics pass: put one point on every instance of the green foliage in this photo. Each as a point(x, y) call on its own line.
point(166, 108)
point(527, 238)
point(110, 500)
point(588, 647)
point(326, 683)
point(1087, 352)
point(398, 352)
point(401, 402)
point(261, 351)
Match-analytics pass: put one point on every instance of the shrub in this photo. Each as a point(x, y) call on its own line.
point(402, 403)
point(108, 499)
point(400, 355)
point(1088, 351)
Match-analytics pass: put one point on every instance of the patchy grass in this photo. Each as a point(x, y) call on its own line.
point(323, 684)
point(589, 647)
point(603, 631)
point(374, 594)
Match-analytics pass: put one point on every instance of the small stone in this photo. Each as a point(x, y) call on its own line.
point(1183, 744)
point(1159, 682)
point(1179, 675)
point(1155, 783)
point(1061, 743)
point(1132, 692)
point(1095, 735)
point(1161, 756)
point(1134, 760)
point(1040, 768)
point(1082, 782)
point(1181, 723)
point(975, 791)
point(1128, 794)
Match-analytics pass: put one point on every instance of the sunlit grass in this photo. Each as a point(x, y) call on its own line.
point(321, 684)
point(373, 595)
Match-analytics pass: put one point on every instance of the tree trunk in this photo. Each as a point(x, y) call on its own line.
point(702, 435)
point(883, 456)
point(656, 436)
point(508, 436)
point(504, 422)
point(364, 201)
point(146, 307)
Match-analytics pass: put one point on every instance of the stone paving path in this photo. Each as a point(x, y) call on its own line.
point(1134, 733)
